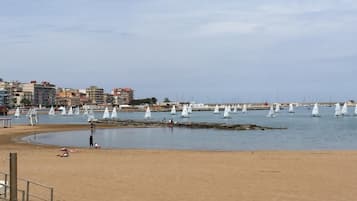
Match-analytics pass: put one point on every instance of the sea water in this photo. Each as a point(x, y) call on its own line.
point(303, 132)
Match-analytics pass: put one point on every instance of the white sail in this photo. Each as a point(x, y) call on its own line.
point(226, 112)
point(70, 111)
point(17, 112)
point(277, 108)
point(106, 113)
point(244, 109)
point(189, 109)
point(52, 111)
point(344, 110)
point(29, 112)
point(29, 115)
point(76, 110)
point(315, 111)
point(85, 107)
point(63, 110)
point(356, 110)
point(173, 110)
point(32, 116)
point(338, 109)
point(291, 108)
point(271, 112)
point(91, 116)
point(147, 113)
point(216, 110)
point(235, 109)
point(184, 112)
point(114, 113)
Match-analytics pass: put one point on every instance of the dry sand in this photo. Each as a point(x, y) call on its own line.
point(159, 175)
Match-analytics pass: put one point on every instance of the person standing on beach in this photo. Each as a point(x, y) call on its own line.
point(91, 140)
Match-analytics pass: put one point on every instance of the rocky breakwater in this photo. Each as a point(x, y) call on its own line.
point(193, 125)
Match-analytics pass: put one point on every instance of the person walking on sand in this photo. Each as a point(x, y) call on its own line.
point(91, 141)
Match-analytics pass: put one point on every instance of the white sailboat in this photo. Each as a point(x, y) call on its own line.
point(277, 108)
point(291, 108)
point(337, 110)
point(271, 112)
point(91, 116)
point(244, 109)
point(184, 113)
point(226, 112)
point(344, 110)
point(173, 110)
point(189, 109)
point(106, 113)
point(63, 110)
point(355, 110)
point(85, 107)
point(52, 111)
point(315, 111)
point(70, 111)
point(147, 113)
point(216, 110)
point(17, 112)
point(235, 109)
point(76, 110)
point(32, 116)
point(114, 113)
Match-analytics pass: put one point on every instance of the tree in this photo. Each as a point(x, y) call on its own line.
point(25, 102)
point(166, 100)
point(152, 100)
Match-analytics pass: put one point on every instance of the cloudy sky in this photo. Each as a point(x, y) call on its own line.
point(203, 51)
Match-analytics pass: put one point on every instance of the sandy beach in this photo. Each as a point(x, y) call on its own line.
point(160, 175)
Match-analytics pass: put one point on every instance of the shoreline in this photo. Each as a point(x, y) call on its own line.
point(162, 175)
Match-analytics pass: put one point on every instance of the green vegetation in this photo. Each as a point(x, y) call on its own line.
point(25, 102)
point(166, 100)
point(150, 101)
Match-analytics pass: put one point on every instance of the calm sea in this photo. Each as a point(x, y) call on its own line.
point(303, 132)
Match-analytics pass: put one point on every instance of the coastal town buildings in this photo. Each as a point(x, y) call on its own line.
point(16, 94)
point(108, 98)
point(3, 101)
point(122, 96)
point(14, 91)
point(95, 95)
point(43, 93)
point(83, 98)
point(3, 97)
point(67, 97)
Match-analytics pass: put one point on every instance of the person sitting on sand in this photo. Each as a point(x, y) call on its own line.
point(97, 146)
point(64, 153)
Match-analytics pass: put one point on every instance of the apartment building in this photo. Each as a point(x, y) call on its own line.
point(3, 97)
point(95, 95)
point(122, 96)
point(68, 97)
point(43, 93)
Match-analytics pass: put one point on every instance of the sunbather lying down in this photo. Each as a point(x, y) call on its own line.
point(63, 154)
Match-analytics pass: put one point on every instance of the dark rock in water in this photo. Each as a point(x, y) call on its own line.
point(193, 125)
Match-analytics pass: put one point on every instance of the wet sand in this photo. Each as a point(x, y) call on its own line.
point(160, 175)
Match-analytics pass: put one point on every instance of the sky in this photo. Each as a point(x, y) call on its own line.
point(186, 50)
